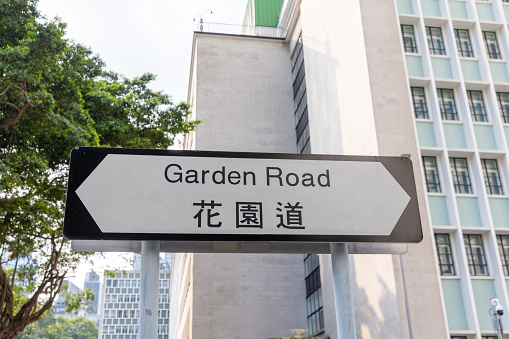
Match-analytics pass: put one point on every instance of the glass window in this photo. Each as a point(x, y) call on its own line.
point(445, 259)
point(447, 104)
point(463, 43)
point(503, 105)
point(492, 176)
point(491, 44)
point(477, 264)
point(313, 293)
point(476, 104)
point(419, 100)
point(503, 249)
point(460, 176)
point(431, 174)
point(435, 40)
point(409, 38)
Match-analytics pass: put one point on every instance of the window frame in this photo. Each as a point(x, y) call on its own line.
point(463, 186)
point(503, 106)
point(431, 172)
point(477, 107)
point(442, 100)
point(412, 46)
point(492, 182)
point(420, 108)
point(496, 54)
point(436, 42)
point(447, 255)
point(461, 42)
point(503, 253)
point(472, 256)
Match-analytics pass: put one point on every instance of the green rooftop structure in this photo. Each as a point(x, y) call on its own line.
point(263, 13)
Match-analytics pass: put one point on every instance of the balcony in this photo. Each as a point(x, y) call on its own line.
point(255, 31)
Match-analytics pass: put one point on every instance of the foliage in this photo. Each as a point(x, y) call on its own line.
point(300, 333)
point(50, 327)
point(54, 95)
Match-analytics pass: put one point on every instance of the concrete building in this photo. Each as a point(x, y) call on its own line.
point(427, 78)
point(120, 300)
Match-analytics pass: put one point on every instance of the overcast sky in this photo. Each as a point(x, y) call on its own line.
point(138, 36)
point(134, 37)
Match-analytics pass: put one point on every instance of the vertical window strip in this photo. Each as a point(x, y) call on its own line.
point(314, 300)
point(460, 175)
point(492, 177)
point(431, 174)
point(419, 101)
point(476, 104)
point(435, 40)
point(463, 43)
point(503, 105)
point(476, 258)
point(300, 101)
point(503, 249)
point(409, 38)
point(447, 104)
point(491, 44)
point(444, 251)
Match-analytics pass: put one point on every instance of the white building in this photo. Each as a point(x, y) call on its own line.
point(427, 78)
point(121, 299)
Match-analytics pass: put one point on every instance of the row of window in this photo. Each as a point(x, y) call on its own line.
point(131, 329)
point(132, 283)
point(461, 177)
point(474, 249)
point(448, 109)
point(436, 43)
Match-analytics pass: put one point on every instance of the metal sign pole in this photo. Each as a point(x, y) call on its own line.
point(345, 315)
point(149, 289)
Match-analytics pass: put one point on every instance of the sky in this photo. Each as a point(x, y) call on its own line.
point(137, 36)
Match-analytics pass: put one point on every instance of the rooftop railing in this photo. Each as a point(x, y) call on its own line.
point(260, 31)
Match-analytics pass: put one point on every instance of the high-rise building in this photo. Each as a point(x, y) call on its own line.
point(427, 78)
point(93, 283)
point(120, 302)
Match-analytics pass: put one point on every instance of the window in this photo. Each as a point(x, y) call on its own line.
point(458, 337)
point(491, 44)
point(460, 177)
point(463, 43)
point(313, 293)
point(419, 100)
point(476, 104)
point(409, 38)
point(503, 249)
point(445, 260)
point(475, 254)
point(491, 176)
point(503, 104)
point(431, 173)
point(447, 104)
point(300, 99)
point(435, 40)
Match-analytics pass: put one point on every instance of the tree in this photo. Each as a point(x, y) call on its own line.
point(50, 327)
point(55, 94)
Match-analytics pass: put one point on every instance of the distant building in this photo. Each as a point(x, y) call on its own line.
point(120, 299)
point(59, 304)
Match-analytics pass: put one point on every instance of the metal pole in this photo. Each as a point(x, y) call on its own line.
point(345, 315)
point(149, 289)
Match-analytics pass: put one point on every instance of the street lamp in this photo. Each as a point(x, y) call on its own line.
point(201, 18)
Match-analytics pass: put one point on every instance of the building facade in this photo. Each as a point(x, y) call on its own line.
point(425, 78)
point(120, 300)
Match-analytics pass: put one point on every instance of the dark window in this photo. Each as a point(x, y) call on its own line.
point(419, 100)
point(299, 99)
point(460, 176)
point(491, 44)
point(431, 173)
point(435, 40)
point(409, 38)
point(503, 249)
point(463, 43)
point(458, 337)
point(492, 176)
point(476, 104)
point(503, 105)
point(447, 104)
point(445, 259)
point(477, 264)
point(313, 293)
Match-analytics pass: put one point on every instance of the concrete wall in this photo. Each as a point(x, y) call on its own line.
point(244, 98)
point(359, 104)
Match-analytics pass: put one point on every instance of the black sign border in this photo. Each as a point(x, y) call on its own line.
point(79, 224)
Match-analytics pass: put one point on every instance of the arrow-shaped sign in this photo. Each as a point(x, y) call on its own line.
point(185, 195)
